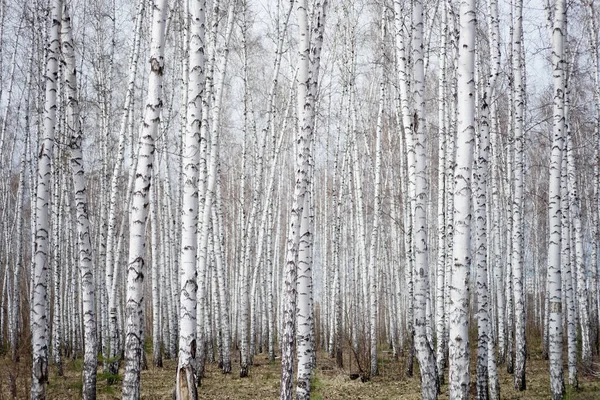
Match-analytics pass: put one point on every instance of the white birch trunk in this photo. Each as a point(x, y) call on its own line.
point(518, 209)
point(440, 325)
point(18, 263)
point(566, 265)
point(300, 200)
point(139, 208)
point(111, 255)
point(375, 234)
point(39, 275)
point(554, 281)
point(156, 263)
point(484, 273)
point(417, 159)
point(84, 244)
point(223, 294)
point(459, 291)
point(186, 370)
point(595, 313)
point(59, 186)
point(584, 310)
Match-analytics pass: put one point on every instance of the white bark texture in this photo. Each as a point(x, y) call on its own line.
point(417, 157)
point(111, 250)
point(186, 380)
point(301, 199)
point(566, 265)
point(84, 245)
point(39, 275)
point(134, 330)
point(440, 320)
point(554, 280)
point(459, 291)
point(580, 269)
point(518, 196)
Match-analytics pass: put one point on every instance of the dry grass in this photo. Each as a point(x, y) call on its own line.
point(329, 382)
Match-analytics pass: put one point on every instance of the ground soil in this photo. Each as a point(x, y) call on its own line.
point(329, 382)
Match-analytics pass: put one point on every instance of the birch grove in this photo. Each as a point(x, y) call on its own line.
point(315, 194)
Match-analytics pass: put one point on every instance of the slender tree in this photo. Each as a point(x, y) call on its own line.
point(186, 370)
point(554, 280)
point(84, 244)
point(39, 275)
point(459, 290)
point(139, 208)
point(301, 199)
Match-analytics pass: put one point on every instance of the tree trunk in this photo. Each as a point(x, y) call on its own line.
point(39, 275)
point(459, 291)
point(554, 280)
point(139, 208)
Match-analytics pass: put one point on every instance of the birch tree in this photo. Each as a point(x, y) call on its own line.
point(111, 251)
point(487, 378)
point(554, 279)
point(139, 208)
point(301, 199)
point(186, 370)
point(39, 275)
point(417, 156)
point(518, 209)
point(84, 245)
point(459, 290)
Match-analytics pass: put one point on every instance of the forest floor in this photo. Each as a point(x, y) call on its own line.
point(329, 382)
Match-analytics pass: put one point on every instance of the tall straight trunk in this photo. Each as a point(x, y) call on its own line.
point(39, 275)
point(139, 208)
point(111, 255)
point(213, 161)
point(304, 312)
point(486, 361)
point(518, 208)
point(18, 262)
point(566, 265)
point(305, 335)
point(357, 172)
point(223, 292)
point(595, 304)
point(58, 200)
point(84, 244)
point(337, 301)
point(459, 291)
point(186, 381)
point(579, 268)
point(156, 263)
point(481, 262)
point(417, 159)
point(440, 323)
point(554, 280)
point(300, 200)
point(375, 232)
point(407, 203)
point(205, 141)
point(496, 238)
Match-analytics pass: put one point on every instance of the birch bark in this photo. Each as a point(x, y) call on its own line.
point(139, 208)
point(186, 370)
point(111, 255)
point(554, 279)
point(84, 244)
point(459, 290)
point(301, 198)
point(518, 221)
point(39, 275)
point(418, 180)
